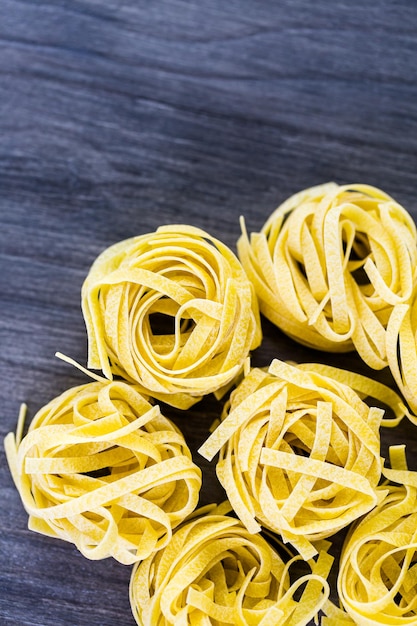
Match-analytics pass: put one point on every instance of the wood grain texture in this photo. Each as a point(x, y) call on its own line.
point(116, 117)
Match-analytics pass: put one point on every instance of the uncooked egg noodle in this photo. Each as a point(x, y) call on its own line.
point(102, 468)
point(402, 351)
point(369, 389)
point(215, 571)
point(299, 453)
point(173, 316)
point(330, 264)
point(377, 580)
point(172, 311)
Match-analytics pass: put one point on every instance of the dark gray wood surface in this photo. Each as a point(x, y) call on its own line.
point(117, 117)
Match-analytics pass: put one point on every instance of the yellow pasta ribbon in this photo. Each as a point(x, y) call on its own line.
point(402, 351)
point(172, 311)
point(299, 454)
point(335, 616)
point(377, 580)
point(367, 388)
point(102, 468)
point(214, 571)
point(330, 264)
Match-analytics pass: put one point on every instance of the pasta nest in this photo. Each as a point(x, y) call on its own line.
point(299, 454)
point(402, 351)
point(377, 581)
point(103, 469)
point(215, 572)
point(329, 265)
point(172, 311)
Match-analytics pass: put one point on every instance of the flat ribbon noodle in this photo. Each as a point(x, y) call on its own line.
point(102, 468)
point(330, 264)
point(299, 454)
point(215, 571)
point(172, 311)
point(377, 580)
point(368, 388)
point(402, 351)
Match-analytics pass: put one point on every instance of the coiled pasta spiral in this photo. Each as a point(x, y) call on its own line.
point(215, 572)
point(329, 265)
point(299, 454)
point(103, 469)
point(377, 581)
point(172, 311)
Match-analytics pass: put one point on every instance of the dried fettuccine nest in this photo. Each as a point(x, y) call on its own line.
point(330, 264)
point(172, 311)
point(299, 453)
point(402, 351)
point(377, 580)
point(215, 572)
point(103, 469)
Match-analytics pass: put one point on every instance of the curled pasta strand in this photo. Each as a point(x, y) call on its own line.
point(172, 311)
point(377, 582)
point(215, 571)
point(299, 453)
point(330, 264)
point(402, 351)
point(367, 388)
point(335, 616)
point(102, 468)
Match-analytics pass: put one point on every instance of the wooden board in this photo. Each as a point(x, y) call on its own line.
point(117, 117)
